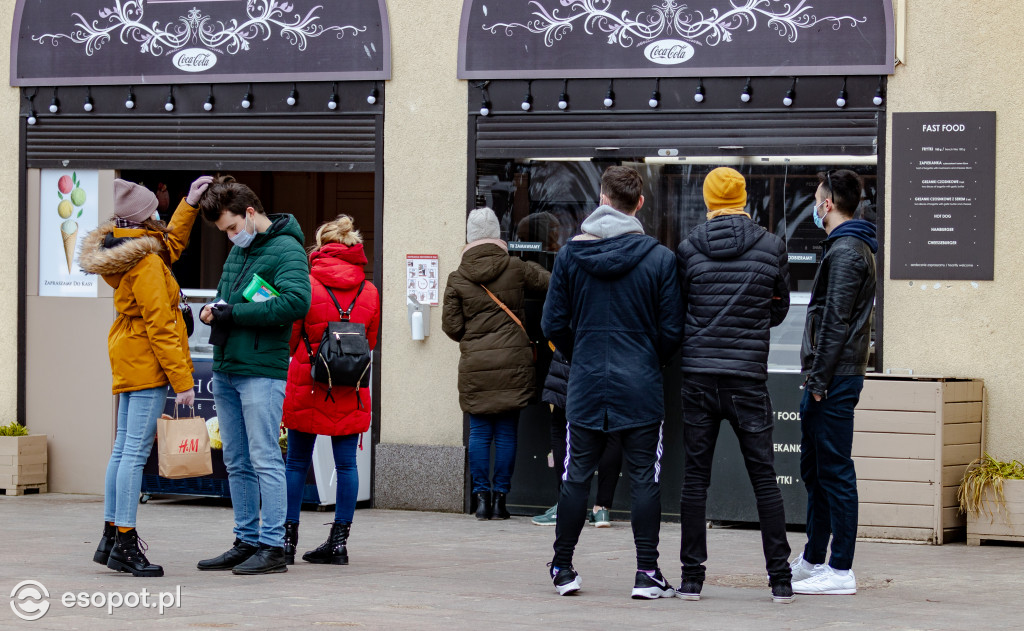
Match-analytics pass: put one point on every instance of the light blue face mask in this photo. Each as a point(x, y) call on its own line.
point(819, 221)
point(243, 238)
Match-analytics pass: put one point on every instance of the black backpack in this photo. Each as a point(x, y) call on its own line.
point(343, 358)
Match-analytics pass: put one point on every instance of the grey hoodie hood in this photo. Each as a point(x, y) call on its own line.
point(606, 222)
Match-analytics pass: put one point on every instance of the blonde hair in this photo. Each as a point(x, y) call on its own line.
point(340, 230)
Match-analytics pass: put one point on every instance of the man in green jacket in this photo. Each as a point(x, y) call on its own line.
point(250, 366)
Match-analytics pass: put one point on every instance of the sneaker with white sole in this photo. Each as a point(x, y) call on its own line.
point(801, 571)
point(601, 518)
point(651, 587)
point(827, 582)
point(782, 591)
point(548, 518)
point(689, 589)
point(565, 579)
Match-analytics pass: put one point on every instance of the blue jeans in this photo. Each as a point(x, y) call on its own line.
point(136, 429)
point(249, 412)
point(300, 456)
point(827, 469)
point(502, 429)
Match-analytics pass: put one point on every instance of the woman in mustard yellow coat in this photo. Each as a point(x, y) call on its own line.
point(148, 346)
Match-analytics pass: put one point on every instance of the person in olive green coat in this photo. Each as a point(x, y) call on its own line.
point(250, 367)
point(496, 377)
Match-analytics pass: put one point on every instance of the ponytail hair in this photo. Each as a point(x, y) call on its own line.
point(340, 230)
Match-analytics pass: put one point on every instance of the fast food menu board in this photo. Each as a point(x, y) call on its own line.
point(421, 278)
point(943, 196)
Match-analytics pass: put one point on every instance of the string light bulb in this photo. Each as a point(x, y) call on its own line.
point(208, 106)
point(656, 95)
point(879, 97)
point(790, 95)
point(247, 99)
point(527, 103)
point(169, 105)
point(698, 96)
point(293, 97)
point(841, 100)
point(54, 103)
point(745, 95)
point(372, 97)
point(332, 103)
point(563, 98)
point(129, 103)
point(88, 104)
point(609, 98)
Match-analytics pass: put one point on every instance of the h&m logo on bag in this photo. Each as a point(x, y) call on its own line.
point(189, 446)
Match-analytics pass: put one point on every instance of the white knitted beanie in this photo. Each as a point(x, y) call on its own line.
point(482, 224)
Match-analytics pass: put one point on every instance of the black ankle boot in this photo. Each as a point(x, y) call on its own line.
point(267, 560)
point(483, 505)
point(240, 552)
point(291, 539)
point(499, 511)
point(129, 555)
point(334, 551)
point(106, 544)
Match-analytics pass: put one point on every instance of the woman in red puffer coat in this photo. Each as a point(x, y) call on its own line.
point(337, 266)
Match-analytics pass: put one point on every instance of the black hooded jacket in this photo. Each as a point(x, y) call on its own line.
point(614, 310)
point(735, 280)
point(837, 333)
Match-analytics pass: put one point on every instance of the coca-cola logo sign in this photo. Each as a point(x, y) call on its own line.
point(668, 52)
point(194, 60)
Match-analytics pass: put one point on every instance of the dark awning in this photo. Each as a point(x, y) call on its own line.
point(526, 39)
point(83, 42)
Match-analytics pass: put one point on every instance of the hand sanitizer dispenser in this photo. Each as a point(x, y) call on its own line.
point(419, 318)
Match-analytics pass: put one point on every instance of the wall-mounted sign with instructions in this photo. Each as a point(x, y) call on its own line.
point(943, 195)
point(421, 278)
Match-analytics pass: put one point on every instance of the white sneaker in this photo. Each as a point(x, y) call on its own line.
point(825, 582)
point(801, 571)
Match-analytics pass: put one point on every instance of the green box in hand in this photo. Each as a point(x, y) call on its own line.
point(259, 290)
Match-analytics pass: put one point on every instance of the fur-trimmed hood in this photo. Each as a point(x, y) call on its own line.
point(96, 258)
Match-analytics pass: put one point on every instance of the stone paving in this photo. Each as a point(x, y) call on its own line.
point(413, 570)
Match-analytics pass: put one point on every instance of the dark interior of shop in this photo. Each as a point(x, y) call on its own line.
point(311, 196)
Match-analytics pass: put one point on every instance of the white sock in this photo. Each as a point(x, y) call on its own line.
point(841, 572)
point(806, 565)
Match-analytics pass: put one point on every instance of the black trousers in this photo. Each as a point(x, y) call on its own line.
point(745, 403)
point(608, 469)
point(641, 448)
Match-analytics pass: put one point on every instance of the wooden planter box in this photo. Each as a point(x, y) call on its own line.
point(23, 464)
point(1001, 525)
point(913, 439)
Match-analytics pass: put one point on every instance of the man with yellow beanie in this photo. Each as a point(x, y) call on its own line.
point(734, 276)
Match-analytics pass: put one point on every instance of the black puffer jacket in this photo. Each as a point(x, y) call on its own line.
point(556, 383)
point(735, 281)
point(837, 333)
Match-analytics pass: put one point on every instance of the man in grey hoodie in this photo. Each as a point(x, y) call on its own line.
point(615, 311)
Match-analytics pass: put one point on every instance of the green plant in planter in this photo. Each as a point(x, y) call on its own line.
point(14, 429)
point(983, 473)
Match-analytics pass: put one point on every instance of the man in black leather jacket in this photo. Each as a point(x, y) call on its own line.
point(834, 355)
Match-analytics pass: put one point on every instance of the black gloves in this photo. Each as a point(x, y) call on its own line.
point(222, 314)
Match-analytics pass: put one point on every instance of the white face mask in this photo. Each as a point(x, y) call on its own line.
point(156, 215)
point(243, 238)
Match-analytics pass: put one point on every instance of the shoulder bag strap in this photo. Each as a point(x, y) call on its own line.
point(504, 308)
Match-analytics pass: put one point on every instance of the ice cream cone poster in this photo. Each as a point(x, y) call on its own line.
point(67, 208)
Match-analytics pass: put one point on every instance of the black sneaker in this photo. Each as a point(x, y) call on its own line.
point(566, 580)
point(689, 589)
point(782, 591)
point(651, 587)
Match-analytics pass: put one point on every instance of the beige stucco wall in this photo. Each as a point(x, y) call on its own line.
point(9, 104)
point(956, 61)
point(424, 213)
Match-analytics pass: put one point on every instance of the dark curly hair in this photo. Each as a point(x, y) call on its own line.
point(228, 195)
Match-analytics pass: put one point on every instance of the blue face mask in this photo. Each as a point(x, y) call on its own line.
point(819, 220)
point(243, 238)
